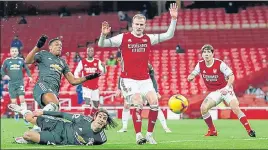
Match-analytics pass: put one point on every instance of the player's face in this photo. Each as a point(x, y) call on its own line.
point(90, 52)
point(138, 26)
point(56, 47)
point(14, 52)
point(100, 120)
point(207, 55)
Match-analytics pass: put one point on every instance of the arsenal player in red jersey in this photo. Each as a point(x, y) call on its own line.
point(90, 65)
point(219, 79)
point(135, 81)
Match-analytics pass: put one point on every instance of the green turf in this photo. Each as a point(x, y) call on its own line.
point(187, 134)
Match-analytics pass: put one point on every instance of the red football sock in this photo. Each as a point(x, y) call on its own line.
point(245, 123)
point(137, 120)
point(209, 123)
point(152, 119)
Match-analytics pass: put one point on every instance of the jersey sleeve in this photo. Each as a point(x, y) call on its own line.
point(111, 42)
point(225, 69)
point(196, 70)
point(157, 38)
point(38, 56)
point(78, 69)
point(66, 68)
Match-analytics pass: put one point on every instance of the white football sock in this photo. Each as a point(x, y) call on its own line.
point(23, 105)
point(162, 118)
point(125, 116)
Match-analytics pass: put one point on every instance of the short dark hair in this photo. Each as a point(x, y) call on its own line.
point(207, 47)
point(110, 121)
point(52, 40)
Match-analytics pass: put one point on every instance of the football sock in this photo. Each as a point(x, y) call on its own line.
point(23, 105)
point(162, 118)
point(125, 116)
point(153, 113)
point(243, 119)
point(136, 117)
point(209, 121)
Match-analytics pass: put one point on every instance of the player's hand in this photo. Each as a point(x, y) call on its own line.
point(30, 79)
point(158, 96)
point(6, 77)
point(190, 77)
point(41, 42)
point(93, 76)
point(38, 113)
point(105, 28)
point(173, 10)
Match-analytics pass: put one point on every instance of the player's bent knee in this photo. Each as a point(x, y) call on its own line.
point(203, 109)
point(154, 107)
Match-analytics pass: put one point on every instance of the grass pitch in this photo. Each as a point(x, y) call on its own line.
point(186, 134)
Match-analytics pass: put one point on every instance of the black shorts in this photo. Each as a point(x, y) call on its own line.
point(51, 130)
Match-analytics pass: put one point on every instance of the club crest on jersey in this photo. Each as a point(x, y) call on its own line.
point(129, 40)
point(204, 71)
point(214, 70)
point(95, 64)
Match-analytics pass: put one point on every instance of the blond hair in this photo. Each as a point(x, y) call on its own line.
point(207, 47)
point(139, 16)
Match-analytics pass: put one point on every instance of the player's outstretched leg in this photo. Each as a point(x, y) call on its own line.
point(153, 113)
point(162, 120)
point(207, 104)
point(234, 104)
point(125, 116)
point(136, 117)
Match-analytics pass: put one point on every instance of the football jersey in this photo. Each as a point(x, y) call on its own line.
point(214, 76)
point(89, 67)
point(135, 56)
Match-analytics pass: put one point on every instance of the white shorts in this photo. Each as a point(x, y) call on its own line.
point(218, 97)
point(130, 87)
point(93, 95)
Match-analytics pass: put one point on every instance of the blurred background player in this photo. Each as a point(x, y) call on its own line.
point(215, 73)
point(12, 70)
point(82, 130)
point(51, 67)
point(91, 93)
point(126, 108)
point(135, 83)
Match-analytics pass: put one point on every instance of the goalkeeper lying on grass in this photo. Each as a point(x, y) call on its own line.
point(81, 130)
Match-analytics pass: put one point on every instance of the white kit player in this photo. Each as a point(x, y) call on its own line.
point(91, 93)
point(135, 81)
point(219, 79)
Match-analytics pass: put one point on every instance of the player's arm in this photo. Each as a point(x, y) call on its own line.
point(27, 70)
point(194, 73)
point(76, 81)
point(228, 73)
point(78, 69)
point(3, 69)
point(157, 38)
point(102, 67)
point(30, 58)
point(111, 42)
